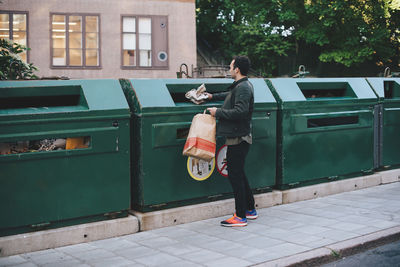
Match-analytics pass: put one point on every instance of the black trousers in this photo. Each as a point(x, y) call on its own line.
point(236, 156)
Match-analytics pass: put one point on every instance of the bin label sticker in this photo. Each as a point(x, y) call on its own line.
point(222, 163)
point(200, 169)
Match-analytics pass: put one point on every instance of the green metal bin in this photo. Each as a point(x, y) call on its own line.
point(325, 129)
point(388, 141)
point(161, 118)
point(64, 153)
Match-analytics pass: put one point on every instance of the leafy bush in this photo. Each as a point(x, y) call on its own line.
point(12, 67)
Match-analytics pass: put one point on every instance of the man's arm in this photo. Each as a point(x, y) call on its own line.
point(241, 106)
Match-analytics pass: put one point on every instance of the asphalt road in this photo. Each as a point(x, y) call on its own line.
point(384, 256)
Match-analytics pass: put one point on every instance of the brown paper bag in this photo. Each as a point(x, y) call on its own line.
point(201, 143)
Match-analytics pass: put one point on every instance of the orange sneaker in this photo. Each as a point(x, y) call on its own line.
point(234, 221)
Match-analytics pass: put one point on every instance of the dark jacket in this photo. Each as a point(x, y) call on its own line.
point(234, 117)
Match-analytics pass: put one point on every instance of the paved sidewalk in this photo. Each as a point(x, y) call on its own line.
point(305, 228)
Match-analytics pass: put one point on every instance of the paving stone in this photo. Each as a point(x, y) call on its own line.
point(299, 238)
point(265, 257)
point(345, 226)
point(202, 256)
point(312, 229)
point(228, 261)
point(66, 263)
point(26, 264)
point(114, 244)
point(182, 263)
point(179, 249)
point(236, 235)
point(76, 248)
point(140, 236)
point(320, 243)
point(93, 255)
point(337, 235)
point(51, 256)
point(261, 242)
point(288, 249)
point(245, 252)
point(116, 261)
point(221, 245)
point(157, 242)
point(198, 239)
point(136, 252)
point(157, 259)
point(12, 260)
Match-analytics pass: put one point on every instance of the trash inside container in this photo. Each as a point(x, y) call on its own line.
point(64, 153)
point(161, 118)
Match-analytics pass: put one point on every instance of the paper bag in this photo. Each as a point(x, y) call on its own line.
point(201, 143)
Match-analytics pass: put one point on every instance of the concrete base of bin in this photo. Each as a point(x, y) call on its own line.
point(331, 188)
point(192, 213)
point(47, 239)
point(390, 176)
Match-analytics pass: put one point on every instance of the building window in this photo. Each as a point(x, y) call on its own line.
point(75, 40)
point(13, 26)
point(139, 34)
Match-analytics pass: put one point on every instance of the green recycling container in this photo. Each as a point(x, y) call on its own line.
point(161, 117)
point(325, 129)
point(64, 153)
point(388, 141)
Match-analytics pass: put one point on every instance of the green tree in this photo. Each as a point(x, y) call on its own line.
point(345, 33)
point(12, 67)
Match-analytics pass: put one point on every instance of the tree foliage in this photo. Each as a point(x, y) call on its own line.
point(12, 67)
point(344, 32)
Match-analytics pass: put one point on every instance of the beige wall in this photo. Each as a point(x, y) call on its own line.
point(181, 33)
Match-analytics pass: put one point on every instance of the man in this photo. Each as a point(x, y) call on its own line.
point(234, 122)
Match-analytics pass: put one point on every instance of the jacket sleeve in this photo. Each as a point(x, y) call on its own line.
point(240, 109)
point(219, 96)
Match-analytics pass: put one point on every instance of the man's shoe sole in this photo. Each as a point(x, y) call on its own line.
point(252, 217)
point(234, 225)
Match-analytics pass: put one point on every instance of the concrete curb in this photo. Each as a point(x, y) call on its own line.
point(332, 252)
point(71, 235)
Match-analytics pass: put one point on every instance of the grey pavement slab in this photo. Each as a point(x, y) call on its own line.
point(281, 232)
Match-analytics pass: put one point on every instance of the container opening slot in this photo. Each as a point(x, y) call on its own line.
point(326, 90)
point(178, 91)
point(39, 101)
point(39, 97)
point(182, 133)
point(334, 121)
point(392, 89)
point(50, 144)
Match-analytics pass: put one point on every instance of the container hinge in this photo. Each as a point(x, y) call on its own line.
point(40, 225)
point(293, 184)
point(367, 171)
point(214, 197)
point(335, 177)
point(157, 206)
point(113, 215)
point(263, 189)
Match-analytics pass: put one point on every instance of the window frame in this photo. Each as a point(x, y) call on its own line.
point(11, 26)
point(67, 15)
point(138, 67)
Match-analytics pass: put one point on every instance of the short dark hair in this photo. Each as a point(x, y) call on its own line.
point(243, 63)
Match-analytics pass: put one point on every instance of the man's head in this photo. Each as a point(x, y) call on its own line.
point(239, 67)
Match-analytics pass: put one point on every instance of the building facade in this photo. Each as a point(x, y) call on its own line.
point(103, 38)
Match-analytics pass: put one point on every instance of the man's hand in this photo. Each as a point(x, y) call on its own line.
point(212, 111)
point(209, 95)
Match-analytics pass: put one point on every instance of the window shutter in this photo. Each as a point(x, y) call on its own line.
point(160, 41)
